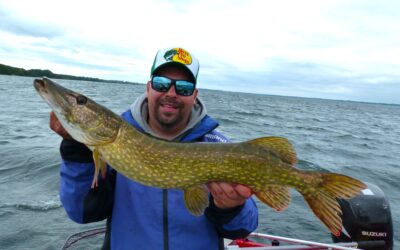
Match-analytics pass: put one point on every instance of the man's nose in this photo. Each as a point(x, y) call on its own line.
point(172, 91)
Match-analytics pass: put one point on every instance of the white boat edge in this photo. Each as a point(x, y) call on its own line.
point(295, 244)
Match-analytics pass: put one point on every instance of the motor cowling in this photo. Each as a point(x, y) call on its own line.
point(367, 220)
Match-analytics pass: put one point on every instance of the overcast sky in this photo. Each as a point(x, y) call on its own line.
point(347, 50)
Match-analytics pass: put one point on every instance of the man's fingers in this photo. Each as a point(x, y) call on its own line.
point(228, 195)
point(222, 190)
point(243, 191)
point(53, 121)
point(215, 189)
point(56, 126)
point(232, 191)
point(229, 191)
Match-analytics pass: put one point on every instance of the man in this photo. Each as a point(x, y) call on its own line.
point(142, 217)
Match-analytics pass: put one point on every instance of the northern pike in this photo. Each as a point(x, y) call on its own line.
point(266, 165)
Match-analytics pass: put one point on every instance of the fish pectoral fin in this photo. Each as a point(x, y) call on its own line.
point(99, 166)
point(279, 145)
point(277, 197)
point(196, 199)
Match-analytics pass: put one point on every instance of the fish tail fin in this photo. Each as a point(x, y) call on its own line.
point(321, 197)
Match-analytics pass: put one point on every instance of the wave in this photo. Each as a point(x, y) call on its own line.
point(21, 137)
point(313, 128)
point(307, 165)
point(248, 113)
point(227, 121)
point(4, 142)
point(347, 136)
point(5, 213)
point(39, 206)
point(32, 166)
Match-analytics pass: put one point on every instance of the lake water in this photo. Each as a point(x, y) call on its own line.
point(361, 140)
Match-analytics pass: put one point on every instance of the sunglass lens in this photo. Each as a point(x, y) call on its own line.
point(161, 84)
point(184, 88)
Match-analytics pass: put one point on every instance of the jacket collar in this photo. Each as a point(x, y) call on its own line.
point(204, 126)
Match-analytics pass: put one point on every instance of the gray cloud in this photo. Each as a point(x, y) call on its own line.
point(72, 62)
point(362, 43)
point(59, 59)
point(307, 80)
point(17, 25)
point(52, 56)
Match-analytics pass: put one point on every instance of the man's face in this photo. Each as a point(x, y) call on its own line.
point(167, 110)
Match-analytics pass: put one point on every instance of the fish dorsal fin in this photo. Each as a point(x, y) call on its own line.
point(281, 146)
point(277, 197)
point(196, 199)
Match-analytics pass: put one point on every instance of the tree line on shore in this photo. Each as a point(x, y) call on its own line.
point(9, 70)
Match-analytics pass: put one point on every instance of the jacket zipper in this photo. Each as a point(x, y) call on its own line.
point(165, 219)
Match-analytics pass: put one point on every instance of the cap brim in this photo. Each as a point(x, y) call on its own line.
point(180, 65)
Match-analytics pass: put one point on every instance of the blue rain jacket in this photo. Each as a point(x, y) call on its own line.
point(143, 217)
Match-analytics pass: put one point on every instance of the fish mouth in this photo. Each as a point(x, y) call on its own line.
point(53, 94)
point(47, 86)
point(40, 86)
point(78, 118)
point(44, 88)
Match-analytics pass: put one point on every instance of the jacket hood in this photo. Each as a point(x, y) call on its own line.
point(139, 111)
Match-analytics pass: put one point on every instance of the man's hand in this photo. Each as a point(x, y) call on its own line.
point(229, 195)
point(56, 126)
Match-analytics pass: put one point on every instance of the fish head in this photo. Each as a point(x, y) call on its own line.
point(85, 120)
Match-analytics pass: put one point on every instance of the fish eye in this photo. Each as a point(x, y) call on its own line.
point(81, 100)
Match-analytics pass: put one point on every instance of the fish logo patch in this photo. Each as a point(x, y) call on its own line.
point(178, 55)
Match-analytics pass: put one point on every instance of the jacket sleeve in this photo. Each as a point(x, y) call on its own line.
point(235, 222)
point(82, 203)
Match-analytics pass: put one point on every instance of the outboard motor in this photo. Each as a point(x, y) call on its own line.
point(367, 220)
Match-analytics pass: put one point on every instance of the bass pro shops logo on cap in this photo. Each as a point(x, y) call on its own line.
point(178, 55)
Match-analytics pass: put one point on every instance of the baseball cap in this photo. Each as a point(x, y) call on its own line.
point(178, 56)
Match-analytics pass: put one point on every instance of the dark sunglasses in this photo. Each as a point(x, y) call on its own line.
point(163, 84)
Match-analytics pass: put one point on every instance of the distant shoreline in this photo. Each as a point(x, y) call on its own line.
point(14, 71)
